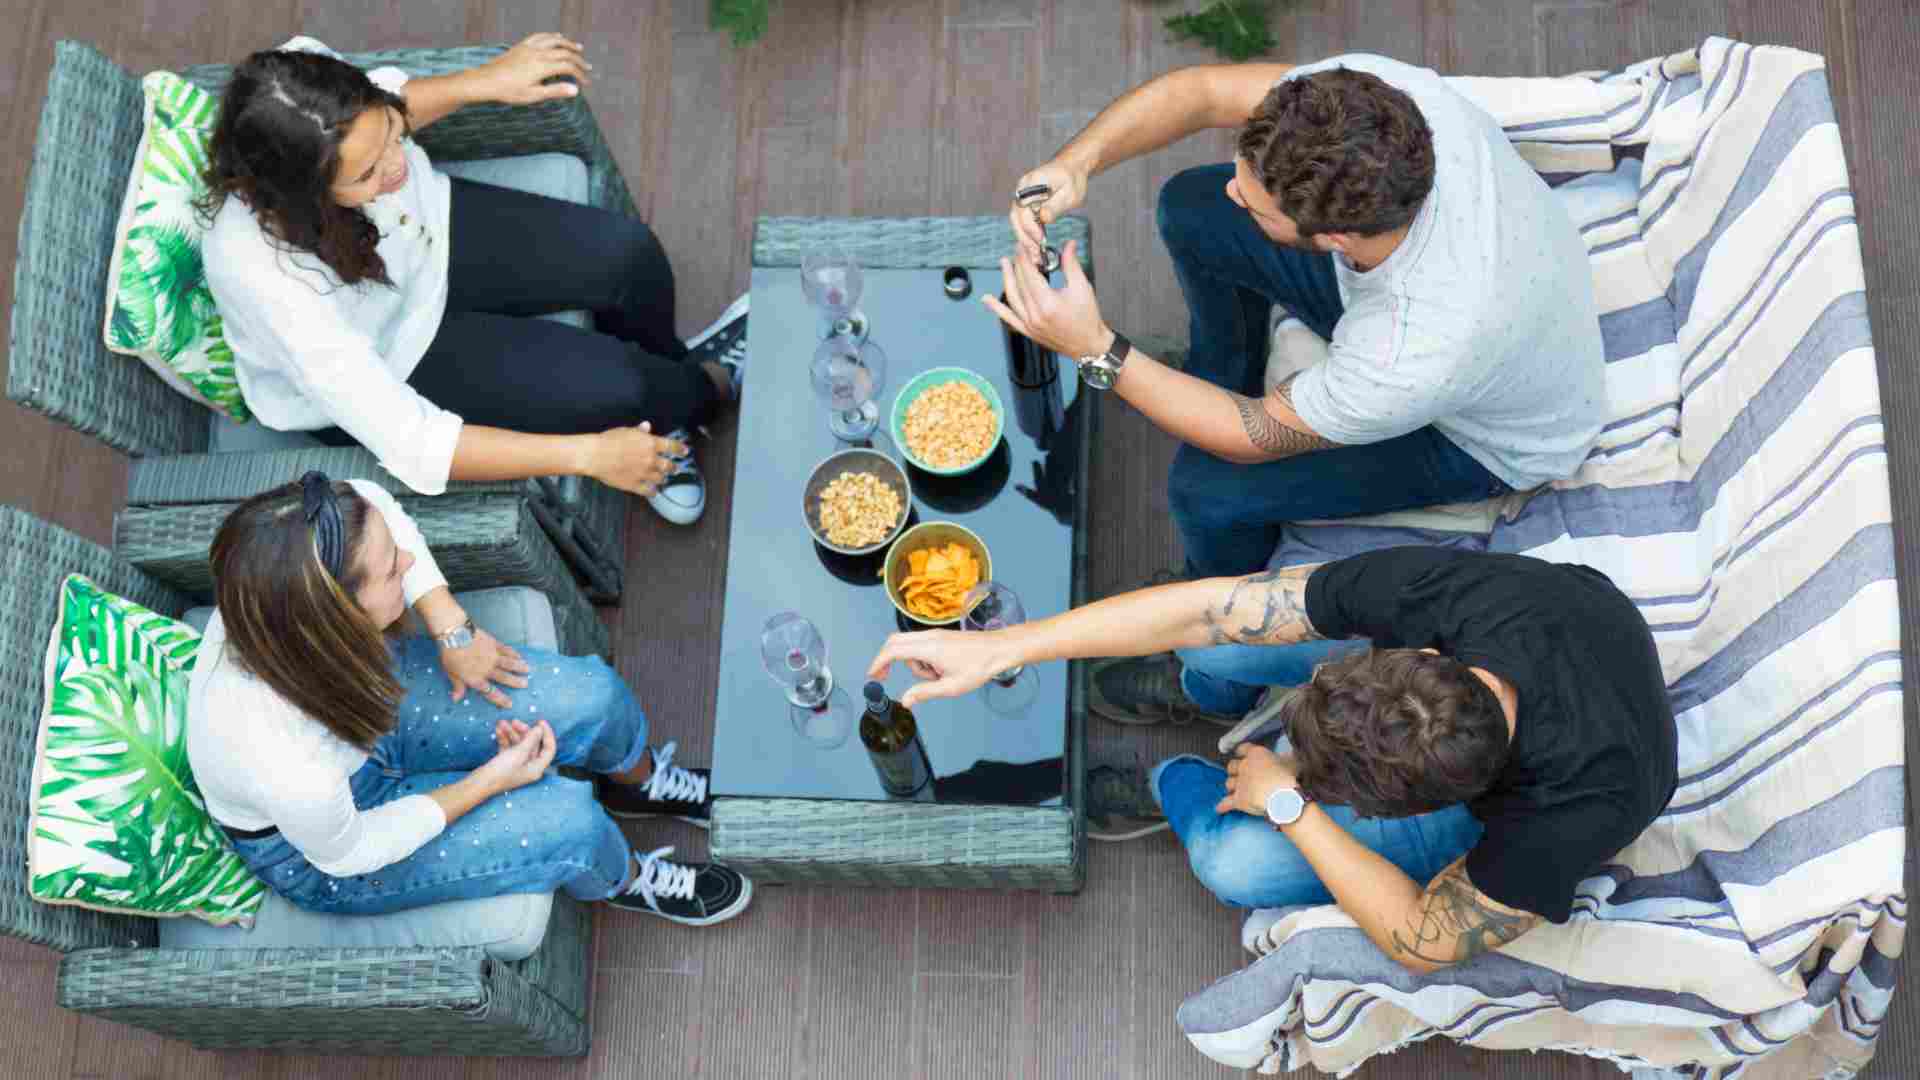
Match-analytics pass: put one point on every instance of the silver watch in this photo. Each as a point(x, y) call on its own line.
point(1103, 370)
point(1285, 806)
point(457, 638)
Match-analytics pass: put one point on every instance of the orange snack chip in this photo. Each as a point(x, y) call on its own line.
point(937, 581)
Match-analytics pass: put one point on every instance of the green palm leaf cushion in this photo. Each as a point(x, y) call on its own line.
point(118, 824)
point(158, 305)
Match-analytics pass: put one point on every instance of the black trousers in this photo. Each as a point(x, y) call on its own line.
point(512, 255)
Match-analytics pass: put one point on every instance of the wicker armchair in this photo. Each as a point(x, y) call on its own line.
point(89, 130)
point(359, 1001)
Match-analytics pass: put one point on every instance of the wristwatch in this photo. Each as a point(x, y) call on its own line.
point(457, 638)
point(1102, 370)
point(1285, 806)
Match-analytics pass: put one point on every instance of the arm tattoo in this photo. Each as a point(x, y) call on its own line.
point(1270, 436)
point(1268, 608)
point(1455, 922)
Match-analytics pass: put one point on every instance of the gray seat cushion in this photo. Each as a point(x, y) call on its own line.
point(508, 927)
point(559, 176)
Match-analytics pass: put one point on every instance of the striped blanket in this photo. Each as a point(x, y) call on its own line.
point(1740, 497)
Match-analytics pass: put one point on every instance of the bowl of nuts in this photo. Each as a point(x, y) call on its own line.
point(947, 420)
point(856, 501)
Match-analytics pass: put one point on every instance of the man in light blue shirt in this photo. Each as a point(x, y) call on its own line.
point(1389, 214)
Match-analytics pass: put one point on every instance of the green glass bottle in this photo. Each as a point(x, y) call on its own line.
point(893, 743)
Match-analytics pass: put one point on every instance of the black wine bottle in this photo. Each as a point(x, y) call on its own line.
point(893, 743)
point(1034, 370)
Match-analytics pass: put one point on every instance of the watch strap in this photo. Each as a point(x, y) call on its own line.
point(1119, 350)
point(459, 637)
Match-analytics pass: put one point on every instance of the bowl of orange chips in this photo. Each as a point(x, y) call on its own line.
point(930, 569)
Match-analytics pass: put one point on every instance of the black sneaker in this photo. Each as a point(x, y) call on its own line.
point(1145, 690)
point(1119, 805)
point(671, 791)
point(682, 497)
point(724, 342)
point(689, 894)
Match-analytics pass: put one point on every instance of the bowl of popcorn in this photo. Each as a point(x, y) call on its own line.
point(947, 420)
point(857, 501)
point(930, 569)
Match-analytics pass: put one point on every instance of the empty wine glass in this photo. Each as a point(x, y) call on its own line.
point(830, 276)
point(847, 375)
point(795, 655)
point(993, 606)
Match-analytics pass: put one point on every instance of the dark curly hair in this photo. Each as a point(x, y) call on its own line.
point(1396, 732)
point(277, 146)
point(1340, 151)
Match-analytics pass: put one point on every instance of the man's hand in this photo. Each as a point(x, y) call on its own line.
point(951, 662)
point(479, 665)
point(1069, 191)
point(1254, 774)
point(519, 75)
point(1066, 320)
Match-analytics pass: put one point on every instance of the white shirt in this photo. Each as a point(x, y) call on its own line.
point(260, 762)
point(311, 353)
point(1482, 322)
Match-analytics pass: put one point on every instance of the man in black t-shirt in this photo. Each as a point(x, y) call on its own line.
point(1507, 733)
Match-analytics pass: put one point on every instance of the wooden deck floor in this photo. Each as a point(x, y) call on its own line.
point(916, 107)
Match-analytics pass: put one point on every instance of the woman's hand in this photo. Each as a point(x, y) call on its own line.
point(521, 763)
point(953, 662)
point(479, 665)
point(519, 75)
point(1254, 774)
point(1069, 191)
point(633, 459)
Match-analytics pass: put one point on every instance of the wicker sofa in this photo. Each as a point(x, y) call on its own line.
point(361, 1001)
point(90, 126)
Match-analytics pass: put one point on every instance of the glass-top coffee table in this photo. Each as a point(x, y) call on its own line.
point(1003, 810)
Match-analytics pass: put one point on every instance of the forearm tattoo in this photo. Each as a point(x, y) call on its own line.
point(1268, 608)
point(1456, 922)
point(1270, 436)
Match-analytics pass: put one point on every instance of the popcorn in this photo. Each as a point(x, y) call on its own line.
point(858, 509)
point(951, 425)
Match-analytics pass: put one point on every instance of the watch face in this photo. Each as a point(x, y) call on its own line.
point(1097, 375)
point(1285, 806)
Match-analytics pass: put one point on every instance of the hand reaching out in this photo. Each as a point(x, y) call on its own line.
point(519, 75)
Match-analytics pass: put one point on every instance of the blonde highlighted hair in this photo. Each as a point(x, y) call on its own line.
point(292, 625)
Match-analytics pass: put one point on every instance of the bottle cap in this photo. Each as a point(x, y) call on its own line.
point(876, 694)
point(957, 283)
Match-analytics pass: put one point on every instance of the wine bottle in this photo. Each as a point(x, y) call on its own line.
point(1034, 371)
point(893, 743)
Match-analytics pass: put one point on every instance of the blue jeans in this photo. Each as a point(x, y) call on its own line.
point(1228, 678)
point(1246, 862)
point(550, 834)
point(1229, 515)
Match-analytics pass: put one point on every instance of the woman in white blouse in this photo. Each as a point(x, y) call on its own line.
point(357, 772)
point(370, 298)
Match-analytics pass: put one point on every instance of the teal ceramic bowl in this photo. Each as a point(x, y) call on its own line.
point(927, 380)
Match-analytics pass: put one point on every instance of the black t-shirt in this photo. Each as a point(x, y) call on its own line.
point(1594, 757)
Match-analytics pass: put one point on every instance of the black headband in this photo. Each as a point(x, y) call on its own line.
point(322, 511)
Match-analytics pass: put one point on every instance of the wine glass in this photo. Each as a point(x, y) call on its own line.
point(847, 375)
point(795, 655)
point(993, 606)
point(830, 276)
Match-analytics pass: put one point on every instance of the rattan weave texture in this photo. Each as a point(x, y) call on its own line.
point(57, 365)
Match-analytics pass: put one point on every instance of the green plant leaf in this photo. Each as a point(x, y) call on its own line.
point(746, 20)
point(1236, 29)
point(170, 259)
point(117, 808)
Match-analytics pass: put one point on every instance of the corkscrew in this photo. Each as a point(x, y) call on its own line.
point(1033, 197)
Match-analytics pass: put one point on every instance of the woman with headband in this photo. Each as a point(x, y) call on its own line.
point(353, 767)
point(370, 298)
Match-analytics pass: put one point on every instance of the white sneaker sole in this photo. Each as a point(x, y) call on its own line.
point(739, 905)
point(676, 514)
point(734, 311)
